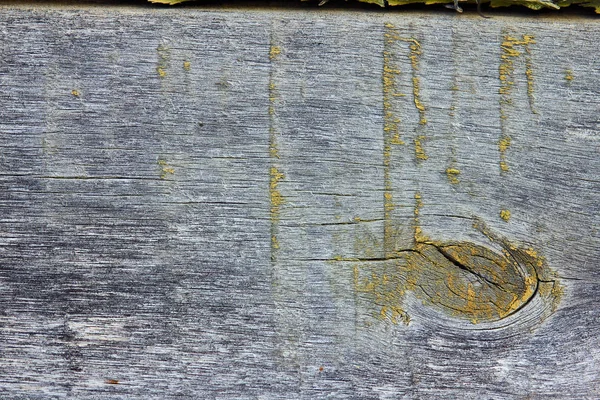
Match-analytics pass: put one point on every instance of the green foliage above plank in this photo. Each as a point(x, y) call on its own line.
point(532, 4)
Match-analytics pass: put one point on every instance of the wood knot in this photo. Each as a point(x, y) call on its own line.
point(468, 281)
point(472, 281)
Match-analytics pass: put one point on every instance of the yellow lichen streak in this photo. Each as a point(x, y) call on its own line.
point(378, 281)
point(275, 195)
point(386, 291)
point(418, 233)
point(276, 199)
point(505, 215)
point(511, 49)
point(274, 51)
point(419, 150)
point(165, 169)
point(503, 145)
point(452, 171)
point(415, 56)
point(472, 282)
point(391, 130)
point(452, 174)
point(164, 58)
point(569, 75)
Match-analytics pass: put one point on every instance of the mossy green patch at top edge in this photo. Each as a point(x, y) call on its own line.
point(532, 4)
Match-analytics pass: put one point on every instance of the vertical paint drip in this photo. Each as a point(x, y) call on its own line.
point(512, 48)
point(419, 237)
point(391, 131)
point(452, 171)
point(275, 175)
point(164, 59)
point(414, 56)
point(527, 40)
point(391, 128)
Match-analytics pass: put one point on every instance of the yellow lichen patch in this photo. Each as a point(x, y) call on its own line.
point(419, 151)
point(527, 40)
point(466, 280)
point(388, 204)
point(396, 139)
point(555, 295)
point(452, 174)
point(505, 215)
point(569, 75)
point(165, 169)
point(414, 56)
point(510, 42)
point(472, 302)
point(504, 144)
point(274, 52)
point(418, 203)
point(187, 65)
point(470, 281)
point(549, 289)
point(276, 198)
point(416, 93)
point(418, 233)
point(276, 176)
point(75, 93)
point(506, 70)
point(164, 58)
point(385, 292)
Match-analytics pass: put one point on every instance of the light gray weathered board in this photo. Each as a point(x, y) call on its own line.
point(265, 204)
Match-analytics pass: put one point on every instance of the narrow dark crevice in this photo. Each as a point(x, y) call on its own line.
point(463, 267)
point(369, 259)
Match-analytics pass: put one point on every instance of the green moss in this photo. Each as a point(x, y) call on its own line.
point(532, 4)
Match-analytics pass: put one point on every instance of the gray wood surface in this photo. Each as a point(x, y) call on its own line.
point(258, 204)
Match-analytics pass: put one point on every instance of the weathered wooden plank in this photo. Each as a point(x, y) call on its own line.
point(227, 204)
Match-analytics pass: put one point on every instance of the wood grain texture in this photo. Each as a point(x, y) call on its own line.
point(279, 205)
